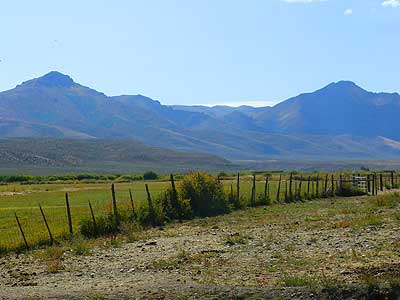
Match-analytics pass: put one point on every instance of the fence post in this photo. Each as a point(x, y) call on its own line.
point(151, 208)
point(279, 189)
point(114, 203)
point(238, 188)
point(266, 192)
point(381, 182)
point(326, 186)
point(290, 187)
point(22, 232)
point(392, 179)
point(174, 198)
point(253, 191)
point(373, 185)
point(308, 187)
point(333, 185)
point(368, 185)
point(299, 193)
point(47, 225)
point(317, 187)
point(93, 218)
point(132, 203)
point(68, 214)
point(286, 192)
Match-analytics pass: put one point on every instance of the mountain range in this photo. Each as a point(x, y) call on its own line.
point(339, 121)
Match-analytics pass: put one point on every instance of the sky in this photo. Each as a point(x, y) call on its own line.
point(234, 52)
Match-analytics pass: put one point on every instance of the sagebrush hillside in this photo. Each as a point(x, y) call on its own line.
point(44, 155)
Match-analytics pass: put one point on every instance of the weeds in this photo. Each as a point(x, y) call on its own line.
point(299, 281)
point(236, 239)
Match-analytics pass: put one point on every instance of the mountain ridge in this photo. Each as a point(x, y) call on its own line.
point(340, 114)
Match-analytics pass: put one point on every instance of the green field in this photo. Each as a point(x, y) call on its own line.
point(24, 199)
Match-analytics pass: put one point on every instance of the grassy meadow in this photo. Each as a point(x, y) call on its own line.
point(24, 199)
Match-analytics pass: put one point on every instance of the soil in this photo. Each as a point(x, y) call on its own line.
point(243, 255)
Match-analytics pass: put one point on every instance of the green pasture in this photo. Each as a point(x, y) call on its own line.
point(24, 199)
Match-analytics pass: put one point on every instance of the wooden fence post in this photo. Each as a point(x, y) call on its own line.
point(317, 187)
point(114, 203)
point(253, 192)
point(238, 188)
point(299, 192)
point(290, 187)
point(333, 185)
point(308, 187)
point(381, 182)
point(151, 208)
point(22, 232)
point(68, 215)
point(266, 192)
point(47, 225)
point(174, 198)
point(392, 179)
point(132, 202)
point(286, 192)
point(373, 185)
point(93, 219)
point(279, 189)
point(326, 186)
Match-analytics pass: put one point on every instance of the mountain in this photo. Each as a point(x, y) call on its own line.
point(49, 155)
point(339, 108)
point(339, 121)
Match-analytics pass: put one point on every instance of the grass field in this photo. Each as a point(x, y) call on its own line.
point(24, 200)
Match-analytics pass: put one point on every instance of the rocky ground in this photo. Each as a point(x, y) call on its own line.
point(342, 249)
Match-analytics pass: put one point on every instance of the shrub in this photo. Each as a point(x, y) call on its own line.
point(173, 206)
point(150, 175)
point(262, 200)
point(146, 217)
point(105, 225)
point(204, 193)
point(348, 190)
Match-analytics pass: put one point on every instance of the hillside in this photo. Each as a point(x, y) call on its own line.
point(331, 123)
point(50, 155)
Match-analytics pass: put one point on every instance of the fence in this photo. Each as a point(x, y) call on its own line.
point(279, 189)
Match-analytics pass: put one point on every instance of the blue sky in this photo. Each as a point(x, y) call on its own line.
point(203, 51)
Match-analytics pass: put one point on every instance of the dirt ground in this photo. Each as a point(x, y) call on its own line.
point(296, 251)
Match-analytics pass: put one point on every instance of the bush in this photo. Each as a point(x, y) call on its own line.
point(348, 190)
point(150, 175)
point(263, 200)
point(146, 217)
point(173, 206)
point(105, 225)
point(204, 193)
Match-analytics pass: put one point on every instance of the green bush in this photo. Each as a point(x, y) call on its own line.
point(174, 207)
point(147, 217)
point(348, 190)
point(263, 200)
point(150, 175)
point(105, 225)
point(204, 193)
